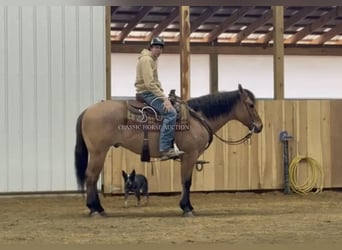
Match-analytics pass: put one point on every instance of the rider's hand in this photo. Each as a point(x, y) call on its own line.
point(167, 104)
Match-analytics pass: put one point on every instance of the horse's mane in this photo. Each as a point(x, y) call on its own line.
point(215, 105)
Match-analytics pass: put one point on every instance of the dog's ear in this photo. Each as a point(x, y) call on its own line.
point(124, 175)
point(132, 175)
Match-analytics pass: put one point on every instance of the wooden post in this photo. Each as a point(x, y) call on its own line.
point(184, 16)
point(106, 177)
point(213, 72)
point(278, 51)
point(108, 54)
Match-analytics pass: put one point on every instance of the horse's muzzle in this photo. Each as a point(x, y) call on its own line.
point(257, 128)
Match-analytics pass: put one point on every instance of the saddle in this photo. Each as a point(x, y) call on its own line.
point(138, 106)
point(139, 112)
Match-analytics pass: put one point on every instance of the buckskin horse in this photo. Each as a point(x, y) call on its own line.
point(98, 129)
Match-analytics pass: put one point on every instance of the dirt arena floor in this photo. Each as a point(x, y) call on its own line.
point(234, 218)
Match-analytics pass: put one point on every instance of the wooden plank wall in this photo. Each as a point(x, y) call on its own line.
point(256, 164)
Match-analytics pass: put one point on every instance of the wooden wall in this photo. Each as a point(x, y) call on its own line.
point(256, 164)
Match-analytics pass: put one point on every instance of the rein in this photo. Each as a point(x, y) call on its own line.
point(242, 140)
point(204, 123)
point(174, 98)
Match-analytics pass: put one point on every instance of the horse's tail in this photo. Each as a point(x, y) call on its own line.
point(81, 154)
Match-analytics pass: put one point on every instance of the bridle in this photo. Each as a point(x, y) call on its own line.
point(243, 139)
point(246, 137)
point(205, 123)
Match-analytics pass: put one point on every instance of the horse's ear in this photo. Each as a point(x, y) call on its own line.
point(133, 172)
point(243, 94)
point(240, 89)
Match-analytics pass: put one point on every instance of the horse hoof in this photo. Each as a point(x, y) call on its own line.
point(188, 214)
point(103, 214)
point(95, 214)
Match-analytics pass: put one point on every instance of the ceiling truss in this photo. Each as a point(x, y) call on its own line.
point(228, 25)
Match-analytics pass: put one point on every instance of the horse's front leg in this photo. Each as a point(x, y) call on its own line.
point(187, 166)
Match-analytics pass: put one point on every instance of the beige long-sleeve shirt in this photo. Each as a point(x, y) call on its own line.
point(147, 74)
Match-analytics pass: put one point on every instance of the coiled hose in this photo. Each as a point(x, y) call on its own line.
point(314, 179)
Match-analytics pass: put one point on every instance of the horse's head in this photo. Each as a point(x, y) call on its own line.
point(246, 111)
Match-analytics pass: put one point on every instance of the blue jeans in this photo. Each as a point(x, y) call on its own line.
point(167, 131)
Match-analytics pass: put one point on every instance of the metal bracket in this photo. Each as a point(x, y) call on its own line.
point(284, 138)
point(199, 164)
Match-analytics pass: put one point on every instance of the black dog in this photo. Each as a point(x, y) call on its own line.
point(135, 183)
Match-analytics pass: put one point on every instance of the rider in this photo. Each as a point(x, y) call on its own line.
point(148, 85)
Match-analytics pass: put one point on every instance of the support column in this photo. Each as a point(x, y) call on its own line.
point(278, 51)
point(184, 16)
point(108, 54)
point(213, 72)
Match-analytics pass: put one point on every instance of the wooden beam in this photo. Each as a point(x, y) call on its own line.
point(328, 35)
point(209, 12)
point(278, 52)
point(227, 22)
point(232, 49)
point(313, 26)
point(251, 28)
point(339, 43)
point(184, 21)
point(142, 13)
point(185, 2)
point(288, 23)
point(163, 25)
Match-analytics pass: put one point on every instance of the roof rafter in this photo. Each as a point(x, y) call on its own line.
point(142, 13)
point(254, 26)
point(333, 32)
point(227, 22)
point(162, 26)
point(204, 16)
point(113, 10)
point(328, 35)
point(313, 26)
point(288, 23)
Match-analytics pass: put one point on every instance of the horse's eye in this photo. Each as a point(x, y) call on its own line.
point(251, 105)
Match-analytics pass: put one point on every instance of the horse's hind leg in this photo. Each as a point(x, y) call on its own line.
point(95, 166)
